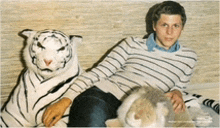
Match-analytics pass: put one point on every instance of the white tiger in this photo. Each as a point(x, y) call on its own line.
point(52, 63)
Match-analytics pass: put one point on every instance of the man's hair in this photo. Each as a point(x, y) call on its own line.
point(169, 7)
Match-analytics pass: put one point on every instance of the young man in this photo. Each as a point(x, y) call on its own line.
point(158, 61)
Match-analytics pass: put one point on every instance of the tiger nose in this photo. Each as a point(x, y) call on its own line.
point(47, 62)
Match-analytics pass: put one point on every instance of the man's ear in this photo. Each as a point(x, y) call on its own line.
point(183, 28)
point(113, 123)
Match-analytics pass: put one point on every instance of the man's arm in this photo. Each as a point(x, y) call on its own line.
point(184, 79)
point(108, 67)
point(112, 62)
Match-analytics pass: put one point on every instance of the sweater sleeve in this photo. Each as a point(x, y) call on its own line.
point(105, 69)
point(188, 70)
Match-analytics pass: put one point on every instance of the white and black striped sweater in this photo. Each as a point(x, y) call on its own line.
point(131, 64)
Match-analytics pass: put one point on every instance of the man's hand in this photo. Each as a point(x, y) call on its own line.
point(177, 101)
point(54, 112)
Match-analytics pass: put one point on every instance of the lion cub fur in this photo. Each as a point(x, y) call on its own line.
point(148, 107)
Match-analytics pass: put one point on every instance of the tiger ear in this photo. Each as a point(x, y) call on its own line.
point(76, 39)
point(27, 33)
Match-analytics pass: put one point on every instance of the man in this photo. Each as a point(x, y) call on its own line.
point(158, 61)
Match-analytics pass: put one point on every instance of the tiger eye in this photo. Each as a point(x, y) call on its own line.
point(39, 45)
point(35, 38)
point(61, 49)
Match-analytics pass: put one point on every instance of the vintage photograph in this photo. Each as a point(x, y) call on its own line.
point(109, 63)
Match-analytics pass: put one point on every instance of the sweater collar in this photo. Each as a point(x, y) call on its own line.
point(151, 44)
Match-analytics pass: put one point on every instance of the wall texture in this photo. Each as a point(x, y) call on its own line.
point(103, 23)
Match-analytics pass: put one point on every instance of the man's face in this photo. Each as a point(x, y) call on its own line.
point(168, 29)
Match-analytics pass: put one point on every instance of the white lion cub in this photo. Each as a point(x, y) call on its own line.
point(148, 107)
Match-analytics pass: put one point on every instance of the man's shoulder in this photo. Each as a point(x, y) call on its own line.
point(186, 51)
point(135, 41)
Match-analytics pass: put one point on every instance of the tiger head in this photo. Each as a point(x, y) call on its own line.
point(50, 52)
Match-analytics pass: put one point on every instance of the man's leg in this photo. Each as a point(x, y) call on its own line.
point(92, 108)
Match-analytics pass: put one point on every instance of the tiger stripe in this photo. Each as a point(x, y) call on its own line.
point(36, 91)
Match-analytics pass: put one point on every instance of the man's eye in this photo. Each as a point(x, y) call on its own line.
point(164, 25)
point(176, 26)
point(61, 49)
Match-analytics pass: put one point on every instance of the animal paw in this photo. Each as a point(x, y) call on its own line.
point(201, 118)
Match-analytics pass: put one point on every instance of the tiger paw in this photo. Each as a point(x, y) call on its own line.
point(201, 118)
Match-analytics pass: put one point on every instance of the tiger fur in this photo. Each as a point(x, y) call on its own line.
point(52, 63)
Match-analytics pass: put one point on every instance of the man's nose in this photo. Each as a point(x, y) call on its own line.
point(169, 30)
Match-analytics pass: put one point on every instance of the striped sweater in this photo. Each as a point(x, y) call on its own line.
point(131, 64)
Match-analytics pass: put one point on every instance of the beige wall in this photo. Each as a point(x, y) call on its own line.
point(102, 23)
